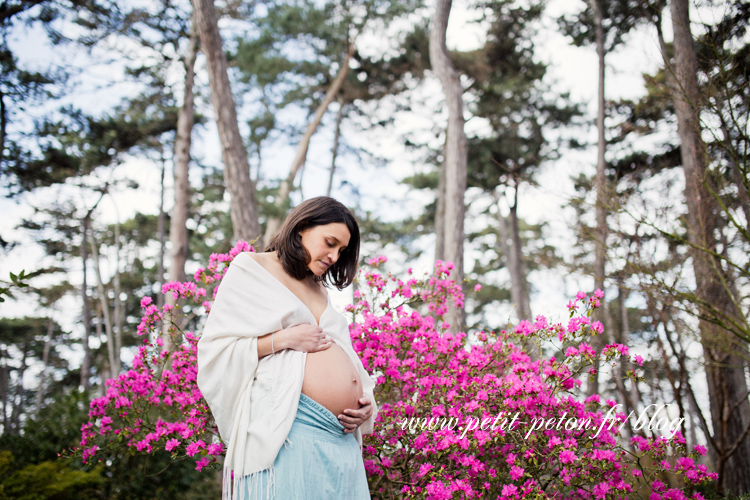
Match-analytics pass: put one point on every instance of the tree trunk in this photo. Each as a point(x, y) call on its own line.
point(4, 378)
point(502, 226)
point(45, 363)
point(161, 230)
point(619, 373)
point(86, 364)
point(508, 231)
point(244, 204)
point(520, 285)
point(727, 387)
point(103, 302)
point(178, 233)
point(455, 152)
point(3, 124)
point(15, 417)
point(335, 148)
point(440, 216)
point(118, 320)
point(282, 198)
point(602, 197)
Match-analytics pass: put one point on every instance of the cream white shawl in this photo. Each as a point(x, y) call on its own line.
point(253, 401)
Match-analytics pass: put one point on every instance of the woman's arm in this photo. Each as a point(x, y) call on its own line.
point(305, 338)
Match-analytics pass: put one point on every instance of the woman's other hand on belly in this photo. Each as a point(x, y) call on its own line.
point(351, 418)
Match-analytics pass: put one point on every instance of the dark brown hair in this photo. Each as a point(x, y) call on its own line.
point(294, 257)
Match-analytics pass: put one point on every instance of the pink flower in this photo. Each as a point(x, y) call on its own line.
point(193, 448)
point(509, 491)
point(600, 490)
point(171, 444)
point(516, 473)
point(567, 457)
point(424, 469)
point(477, 288)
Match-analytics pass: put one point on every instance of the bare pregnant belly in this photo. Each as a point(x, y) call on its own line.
point(331, 380)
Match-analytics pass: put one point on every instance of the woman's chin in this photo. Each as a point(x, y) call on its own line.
point(318, 269)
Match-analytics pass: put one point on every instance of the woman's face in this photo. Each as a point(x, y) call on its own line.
point(325, 244)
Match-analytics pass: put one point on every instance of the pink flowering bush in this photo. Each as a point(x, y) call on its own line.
point(461, 416)
point(156, 405)
point(475, 417)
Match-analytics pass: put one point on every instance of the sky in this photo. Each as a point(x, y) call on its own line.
point(573, 69)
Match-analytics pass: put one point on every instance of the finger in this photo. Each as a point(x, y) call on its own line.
point(354, 413)
point(349, 421)
point(349, 425)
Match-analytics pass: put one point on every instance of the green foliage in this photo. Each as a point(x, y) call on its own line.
point(76, 144)
point(47, 480)
point(29, 459)
point(619, 18)
point(296, 51)
point(512, 96)
point(17, 281)
point(156, 477)
point(30, 468)
point(23, 90)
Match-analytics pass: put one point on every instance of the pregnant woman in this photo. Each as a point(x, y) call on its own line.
point(276, 365)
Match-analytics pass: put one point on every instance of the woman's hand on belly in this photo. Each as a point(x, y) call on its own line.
point(351, 419)
point(304, 338)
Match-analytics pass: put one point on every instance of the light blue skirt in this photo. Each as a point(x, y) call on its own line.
point(317, 462)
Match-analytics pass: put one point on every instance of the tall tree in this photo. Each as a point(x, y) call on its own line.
point(509, 91)
point(602, 191)
point(589, 27)
point(456, 150)
point(244, 204)
point(178, 233)
point(725, 367)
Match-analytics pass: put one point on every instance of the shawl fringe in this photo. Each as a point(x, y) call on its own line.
point(237, 487)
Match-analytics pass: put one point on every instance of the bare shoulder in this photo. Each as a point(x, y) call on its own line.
point(260, 257)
